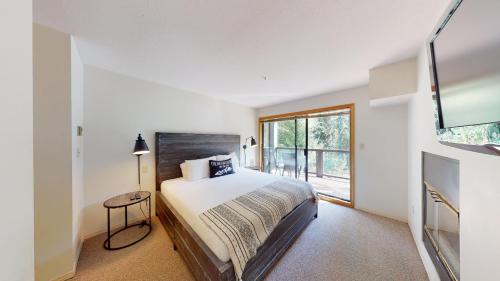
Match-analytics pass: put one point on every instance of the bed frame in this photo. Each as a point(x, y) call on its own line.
point(171, 150)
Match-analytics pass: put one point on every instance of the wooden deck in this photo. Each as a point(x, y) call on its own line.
point(328, 185)
point(336, 187)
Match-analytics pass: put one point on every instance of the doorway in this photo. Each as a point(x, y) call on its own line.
point(315, 146)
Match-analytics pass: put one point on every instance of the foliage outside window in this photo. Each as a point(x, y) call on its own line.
point(286, 133)
point(331, 134)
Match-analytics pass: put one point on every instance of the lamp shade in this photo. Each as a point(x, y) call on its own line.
point(140, 146)
point(253, 142)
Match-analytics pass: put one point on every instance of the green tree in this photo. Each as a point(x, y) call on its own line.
point(286, 133)
point(331, 132)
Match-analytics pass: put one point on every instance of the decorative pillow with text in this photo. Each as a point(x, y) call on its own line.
point(220, 168)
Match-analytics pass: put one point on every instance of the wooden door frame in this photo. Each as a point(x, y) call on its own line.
point(352, 146)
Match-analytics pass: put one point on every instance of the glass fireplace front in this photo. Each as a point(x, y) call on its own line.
point(441, 216)
point(442, 227)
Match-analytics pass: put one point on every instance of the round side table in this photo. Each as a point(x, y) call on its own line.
point(123, 201)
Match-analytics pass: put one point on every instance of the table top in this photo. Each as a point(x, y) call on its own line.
point(123, 200)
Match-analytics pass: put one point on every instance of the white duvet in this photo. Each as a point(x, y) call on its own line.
point(191, 198)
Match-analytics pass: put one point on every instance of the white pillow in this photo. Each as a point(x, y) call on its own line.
point(198, 169)
point(184, 170)
point(232, 156)
point(222, 157)
point(234, 160)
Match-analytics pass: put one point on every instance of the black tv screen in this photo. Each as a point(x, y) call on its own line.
point(465, 57)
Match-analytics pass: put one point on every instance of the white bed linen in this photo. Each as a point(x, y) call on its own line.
point(191, 198)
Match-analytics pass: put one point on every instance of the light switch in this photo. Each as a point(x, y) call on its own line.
point(361, 146)
point(145, 169)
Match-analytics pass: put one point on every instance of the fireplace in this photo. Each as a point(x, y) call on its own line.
point(441, 215)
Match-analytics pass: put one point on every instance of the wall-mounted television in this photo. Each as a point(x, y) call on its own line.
point(465, 64)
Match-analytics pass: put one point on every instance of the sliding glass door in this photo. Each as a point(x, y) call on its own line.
point(329, 155)
point(314, 146)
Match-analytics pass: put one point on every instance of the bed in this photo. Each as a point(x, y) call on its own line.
point(179, 202)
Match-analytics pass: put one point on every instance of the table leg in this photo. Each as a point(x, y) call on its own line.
point(126, 217)
point(107, 242)
point(150, 222)
point(109, 230)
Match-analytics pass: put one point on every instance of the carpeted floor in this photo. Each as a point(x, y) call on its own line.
point(342, 244)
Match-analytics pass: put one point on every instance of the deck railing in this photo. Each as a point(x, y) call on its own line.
point(322, 162)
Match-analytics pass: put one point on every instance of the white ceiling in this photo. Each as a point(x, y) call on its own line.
point(224, 48)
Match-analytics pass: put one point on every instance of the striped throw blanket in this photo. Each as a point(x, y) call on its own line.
point(244, 223)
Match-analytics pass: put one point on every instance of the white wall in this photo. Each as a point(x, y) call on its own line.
point(380, 168)
point(116, 109)
point(16, 137)
point(394, 79)
point(77, 147)
point(52, 153)
point(479, 190)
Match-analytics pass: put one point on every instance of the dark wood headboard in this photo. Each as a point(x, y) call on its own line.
point(173, 148)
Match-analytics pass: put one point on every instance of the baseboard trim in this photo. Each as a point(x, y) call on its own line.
point(72, 273)
point(383, 215)
point(424, 257)
point(66, 276)
point(77, 254)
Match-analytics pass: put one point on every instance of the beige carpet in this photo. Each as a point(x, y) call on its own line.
point(342, 244)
